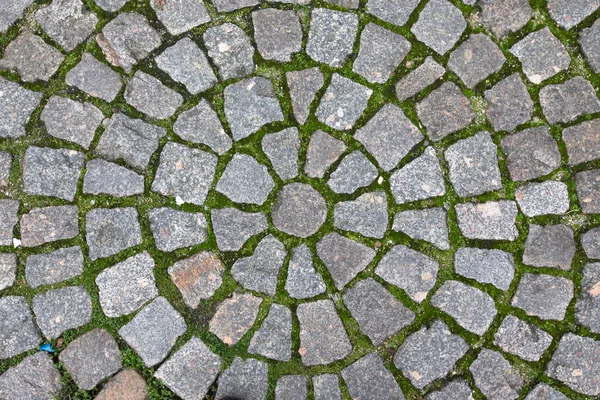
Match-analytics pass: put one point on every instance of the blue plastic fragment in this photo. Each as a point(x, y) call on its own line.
point(47, 347)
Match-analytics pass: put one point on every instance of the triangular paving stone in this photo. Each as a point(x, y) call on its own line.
point(31, 57)
point(331, 36)
point(180, 16)
point(234, 317)
point(495, 377)
point(245, 180)
point(246, 379)
point(587, 312)
point(94, 78)
point(368, 379)
point(551, 246)
point(522, 339)
point(485, 266)
point(440, 25)
point(343, 103)
point(457, 389)
point(282, 149)
point(197, 277)
point(323, 151)
point(150, 96)
point(419, 78)
point(393, 11)
point(34, 378)
point(18, 333)
point(475, 59)
point(355, 171)
point(174, 229)
point(303, 86)
point(230, 50)
point(418, 180)
point(429, 224)
point(367, 215)
point(233, 228)
point(49, 224)
point(16, 106)
point(303, 281)
point(274, 338)
point(105, 177)
point(291, 387)
point(62, 309)
point(111, 230)
point(201, 124)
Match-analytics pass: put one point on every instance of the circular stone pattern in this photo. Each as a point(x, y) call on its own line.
point(299, 210)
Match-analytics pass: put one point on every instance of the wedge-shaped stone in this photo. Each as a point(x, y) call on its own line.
point(234, 317)
point(429, 224)
point(197, 277)
point(274, 338)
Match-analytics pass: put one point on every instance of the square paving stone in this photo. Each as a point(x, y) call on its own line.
point(355, 171)
point(278, 33)
point(91, 358)
point(472, 308)
point(111, 230)
point(590, 241)
point(418, 180)
point(56, 266)
point(104, 177)
point(52, 172)
point(8, 269)
point(232, 227)
point(445, 110)
point(246, 379)
point(549, 197)
point(419, 78)
point(6, 162)
point(326, 387)
point(126, 286)
point(568, 13)
point(291, 387)
point(94, 78)
point(389, 136)
point(543, 296)
point(588, 191)
point(544, 392)
point(485, 266)
point(531, 153)
point(589, 40)
point(187, 64)
point(495, 377)
point(588, 303)
point(232, 5)
point(439, 26)
point(31, 57)
point(282, 149)
point(367, 215)
point(10, 14)
point(429, 224)
point(541, 55)
point(274, 337)
point(174, 229)
point(551, 246)
point(381, 52)
point(509, 104)
point(367, 378)
point(191, 371)
point(34, 378)
point(201, 124)
point(378, 313)
point(303, 86)
point(429, 354)
point(18, 332)
point(457, 389)
point(185, 173)
point(49, 224)
point(323, 150)
point(343, 103)
point(583, 142)
point(127, 39)
point(494, 220)
point(8, 220)
point(234, 317)
point(303, 280)
point(473, 165)
point(62, 309)
point(153, 331)
point(67, 22)
point(197, 277)
point(180, 16)
point(331, 36)
point(110, 5)
point(566, 101)
point(16, 106)
point(522, 339)
point(230, 50)
point(393, 11)
point(148, 95)
point(475, 59)
point(127, 382)
point(503, 17)
point(245, 180)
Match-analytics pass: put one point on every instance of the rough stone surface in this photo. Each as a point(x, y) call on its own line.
point(303, 281)
point(174, 229)
point(201, 124)
point(323, 151)
point(6, 163)
point(331, 36)
point(326, 387)
point(522, 339)
point(274, 338)
point(503, 17)
point(395, 11)
point(16, 106)
point(509, 104)
point(299, 210)
point(8, 220)
point(429, 224)
point(368, 378)
point(485, 266)
point(109, 231)
point(343, 103)
point(31, 57)
point(367, 215)
point(71, 120)
point(180, 16)
point(67, 22)
point(567, 14)
point(475, 59)
point(420, 179)
point(12, 12)
point(197, 277)
point(8, 270)
point(232, 5)
point(588, 191)
point(57, 266)
point(104, 177)
point(419, 78)
point(549, 197)
point(439, 26)
point(18, 333)
point(244, 379)
point(278, 33)
point(49, 224)
point(590, 241)
point(355, 171)
point(494, 220)
point(34, 378)
point(233, 227)
point(282, 148)
point(551, 246)
point(94, 78)
point(234, 317)
point(457, 389)
point(587, 312)
point(583, 142)
point(127, 385)
point(544, 392)
point(245, 180)
point(566, 101)
point(62, 309)
point(291, 387)
point(589, 40)
point(495, 377)
point(230, 50)
point(303, 86)
point(150, 96)
point(543, 296)
point(110, 5)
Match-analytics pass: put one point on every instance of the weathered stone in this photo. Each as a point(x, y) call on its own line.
point(197, 277)
point(57, 266)
point(439, 26)
point(590, 241)
point(34, 378)
point(495, 377)
point(232, 5)
point(6, 162)
point(282, 148)
point(110, 5)
point(589, 40)
point(393, 11)
point(419, 78)
point(543, 296)
point(243, 379)
point(303, 86)
point(355, 171)
point(8, 269)
point(551, 246)
point(67, 22)
point(148, 95)
point(326, 387)
point(291, 387)
point(274, 338)
point(299, 210)
point(49, 224)
point(367, 215)
point(12, 12)
point(104, 177)
point(544, 392)
point(583, 142)
point(566, 101)
point(509, 104)
point(126, 385)
point(8, 220)
point(180, 16)
point(16, 106)
point(94, 78)
point(174, 229)
point(485, 266)
point(278, 33)
point(522, 339)
point(418, 180)
point(31, 57)
point(494, 220)
point(429, 224)
point(567, 14)
point(475, 59)
point(18, 333)
point(588, 191)
point(531, 153)
point(201, 124)
point(457, 389)
point(245, 180)
point(110, 231)
point(323, 151)
point(232, 227)
point(343, 103)
point(549, 197)
point(367, 378)
point(303, 281)
point(331, 36)
point(234, 317)
point(230, 50)
point(587, 312)
point(503, 17)
point(62, 309)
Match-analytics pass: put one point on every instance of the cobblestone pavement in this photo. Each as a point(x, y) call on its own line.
point(295, 199)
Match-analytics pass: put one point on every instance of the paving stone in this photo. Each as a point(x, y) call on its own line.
point(326, 387)
point(429, 224)
point(583, 142)
point(439, 26)
point(299, 210)
point(91, 358)
point(127, 286)
point(245, 180)
point(445, 110)
point(475, 59)
point(367, 378)
point(8, 220)
point(522, 339)
point(8, 269)
point(186, 63)
point(503, 17)
point(343, 103)
point(191, 371)
point(473, 165)
point(174, 229)
point(110, 5)
point(509, 104)
point(567, 14)
point(541, 55)
point(495, 377)
point(494, 220)
point(31, 57)
point(180, 16)
point(323, 338)
point(249, 105)
point(211, 134)
point(323, 151)
point(34, 378)
point(6, 162)
point(111, 230)
point(543, 296)
point(260, 271)
point(49, 224)
point(232, 5)
point(389, 136)
point(378, 313)
point(67, 22)
point(104, 177)
point(355, 171)
point(544, 392)
point(57, 266)
point(418, 180)
point(576, 363)
point(411, 271)
point(303, 86)
point(131, 140)
point(127, 384)
point(457, 389)
point(232, 227)
point(566, 101)
point(148, 95)
point(197, 277)
point(18, 333)
point(71, 120)
point(588, 191)
point(367, 215)
point(274, 338)
point(52, 172)
point(343, 257)
point(472, 308)
point(153, 331)
point(16, 106)
point(419, 78)
point(549, 197)
point(62, 309)
point(429, 354)
point(588, 303)
point(590, 241)
point(395, 11)
point(246, 379)
point(531, 153)
point(291, 387)
point(234, 317)
point(185, 173)
point(282, 149)
point(485, 266)
point(344, 3)
point(127, 39)
point(94, 78)
point(589, 41)
point(278, 33)
point(13, 11)
point(230, 49)
point(551, 246)
point(303, 281)
point(331, 36)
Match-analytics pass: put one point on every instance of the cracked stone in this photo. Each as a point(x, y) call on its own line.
point(62, 309)
point(503, 17)
point(54, 267)
point(246, 379)
point(589, 40)
point(485, 266)
point(148, 95)
point(418, 180)
point(439, 26)
point(232, 227)
point(274, 338)
point(509, 104)
point(110, 231)
point(16, 106)
point(326, 387)
point(531, 153)
point(8, 270)
point(282, 149)
point(343, 103)
point(587, 312)
point(331, 36)
point(299, 210)
point(127, 384)
point(588, 191)
point(549, 197)
point(429, 224)
point(174, 229)
point(8, 220)
point(494, 220)
point(568, 13)
point(323, 151)
point(31, 57)
point(230, 50)
point(543, 296)
point(551, 246)
point(367, 378)
point(303, 281)
point(367, 215)
point(18, 332)
point(278, 33)
point(34, 378)
point(419, 78)
point(355, 171)
point(245, 180)
point(566, 101)
point(94, 78)
point(583, 142)
point(180, 16)
point(590, 241)
point(12, 11)
point(197, 277)
point(303, 86)
point(211, 132)
point(291, 387)
point(103, 177)
point(234, 317)
point(393, 11)
point(495, 377)
point(49, 224)
point(67, 22)
point(522, 339)
point(475, 59)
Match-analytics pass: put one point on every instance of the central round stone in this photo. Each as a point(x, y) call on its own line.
point(299, 210)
